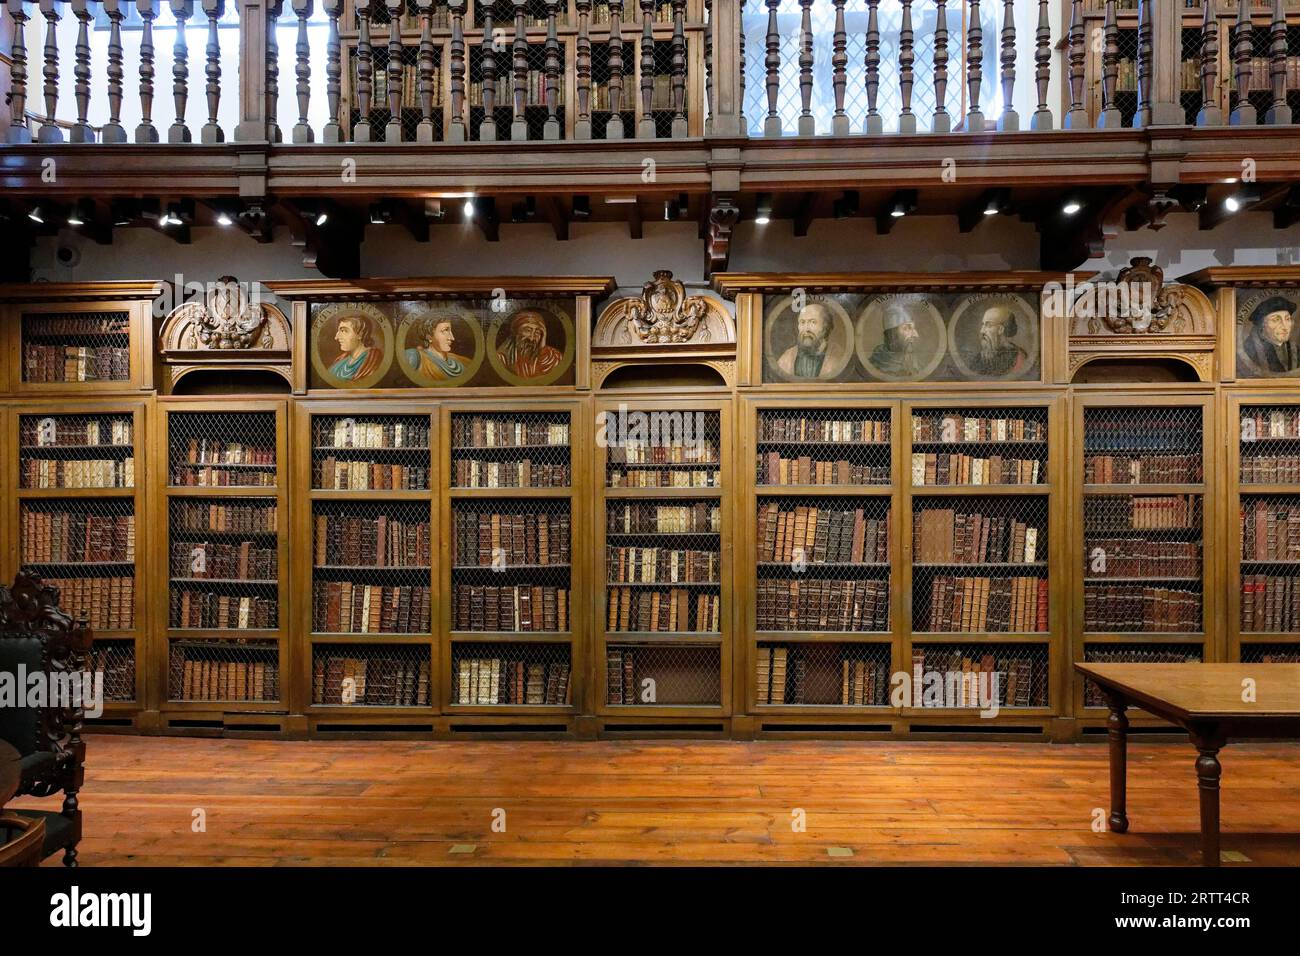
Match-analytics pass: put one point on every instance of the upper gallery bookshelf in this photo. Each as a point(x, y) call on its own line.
point(1264, 466)
point(79, 485)
point(1145, 511)
point(662, 518)
point(224, 507)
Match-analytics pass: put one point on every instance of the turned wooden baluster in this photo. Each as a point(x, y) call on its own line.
point(679, 68)
point(333, 131)
point(18, 131)
point(1244, 114)
point(212, 132)
point(874, 122)
point(50, 132)
point(740, 66)
point(582, 120)
point(1010, 119)
point(1279, 114)
point(614, 128)
point(772, 63)
point(551, 129)
point(396, 71)
point(942, 121)
point(1210, 114)
point(645, 128)
point(487, 130)
point(364, 70)
point(1110, 117)
point(273, 10)
point(82, 132)
point(974, 68)
point(456, 132)
point(519, 74)
point(839, 65)
point(112, 131)
point(1043, 63)
point(178, 132)
point(708, 66)
point(145, 132)
point(1145, 50)
point(807, 124)
point(906, 59)
point(1077, 117)
point(302, 132)
point(424, 132)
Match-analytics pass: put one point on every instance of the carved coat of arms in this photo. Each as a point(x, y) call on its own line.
point(227, 319)
point(666, 314)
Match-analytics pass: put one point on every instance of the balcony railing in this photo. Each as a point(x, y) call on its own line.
point(434, 71)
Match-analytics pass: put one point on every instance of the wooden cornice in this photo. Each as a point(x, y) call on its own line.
point(1217, 276)
point(728, 284)
point(79, 291)
point(374, 289)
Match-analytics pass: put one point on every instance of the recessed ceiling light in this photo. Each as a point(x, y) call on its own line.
point(35, 215)
point(1232, 203)
point(1072, 207)
point(223, 219)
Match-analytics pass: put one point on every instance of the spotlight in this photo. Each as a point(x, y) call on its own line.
point(223, 219)
point(763, 209)
point(582, 207)
point(322, 217)
point(468, 208)
point(178, 214)
point(124, 212)
point(671, 210)
point(381, 213)
point(82, 211)
point(996, 202)
point(904, 203)
point(1073, 205)
point(36, 215)
point(1232, 203)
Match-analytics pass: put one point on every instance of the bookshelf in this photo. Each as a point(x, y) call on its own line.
point(78, 483)
point(535, 107)
point(57, 346)
point(981, 516)
point(662, 517)
point(513, 624)
point(223, 566)
point(1145, 511)
point(1264, 528)
point(369, 477)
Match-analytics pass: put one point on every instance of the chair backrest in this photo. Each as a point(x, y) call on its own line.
point(21, 840)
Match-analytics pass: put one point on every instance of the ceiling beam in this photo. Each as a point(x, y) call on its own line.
point(803, 215)
point(553, 208)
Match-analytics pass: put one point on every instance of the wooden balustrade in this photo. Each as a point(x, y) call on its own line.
point(453, 70)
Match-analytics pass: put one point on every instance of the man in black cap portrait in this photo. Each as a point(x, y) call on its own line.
point(1268, 341)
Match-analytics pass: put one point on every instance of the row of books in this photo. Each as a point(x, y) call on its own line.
point(701, 517)
point(958, 469)
point(984, 605)
point(503, 89)
point(956, 428)
point(208, 476)
point(960, 677)
point(78, 473)
point(1157, 431)
point(1092, 694)
point(75, 537)
point(76, 363)
point(1270, 469)
point(486, 540)
point(1270, 531)
point(776, 469)
point(1146, 513)
point(661, 565)
point(950, 536)
point(620, 676)
point(505, 431)
point(192, 608)
point(372, 680)
point(622, 477)
point(1260, 73)
point(1142, 469)
point(117, 663)
point(409, 20)
point(244, 561)
point(1140, 558)
point(673, 611)
point(333, 474)
point(510, 607)
point(196, 676)
point(339, 433)
point(493, 681)
point(789, 427)
point(68, 325)
point(1141, 609)
point(211, 451)
point(409, 87)
point(663, 13)
point(523, 473)
point(61, 431)
point(783, 677)
point(381, 542)
point(345, 607)
point(1261, 423)
point(1280, 657)
point(821, 535)
point(106, 604)
point(1270, 603)
point(225, 518)
point(822, 605)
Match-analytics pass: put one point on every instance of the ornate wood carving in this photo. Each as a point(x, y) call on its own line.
point(664, 316)
point(228, 329)
point(723, 216)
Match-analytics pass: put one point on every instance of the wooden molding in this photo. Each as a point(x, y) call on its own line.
point(363, 289)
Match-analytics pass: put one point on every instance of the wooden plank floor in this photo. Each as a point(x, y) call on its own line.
point(391, 802)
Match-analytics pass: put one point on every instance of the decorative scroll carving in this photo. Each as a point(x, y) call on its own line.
point(1153, 306)
point(229, 328)
point(665, 316)
point(225, 320)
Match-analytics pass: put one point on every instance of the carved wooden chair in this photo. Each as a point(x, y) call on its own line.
point(37, 637)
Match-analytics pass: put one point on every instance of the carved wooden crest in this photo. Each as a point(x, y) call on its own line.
point(230, 327)
point(664, 315)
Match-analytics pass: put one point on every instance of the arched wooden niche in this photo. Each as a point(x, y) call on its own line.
point(229, 334)
point(1137, 321)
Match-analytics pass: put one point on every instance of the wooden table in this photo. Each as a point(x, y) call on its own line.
point(1209, 701)
point(10, 773)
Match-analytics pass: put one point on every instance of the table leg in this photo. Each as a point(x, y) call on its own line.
point(1117, 727)
point(1208, 772)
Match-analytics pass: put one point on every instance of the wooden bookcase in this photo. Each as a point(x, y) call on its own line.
point(677, 672)
point(1262, 432)
point(1162, 492)
point(77, 471)
point(213, 519)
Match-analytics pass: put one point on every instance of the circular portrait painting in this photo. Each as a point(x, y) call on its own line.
point(1267, 330)
point(352, 345)
point(530, 344)
point(994, 337)
point(808, 343)
point(440, 347)
point(901, 337)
